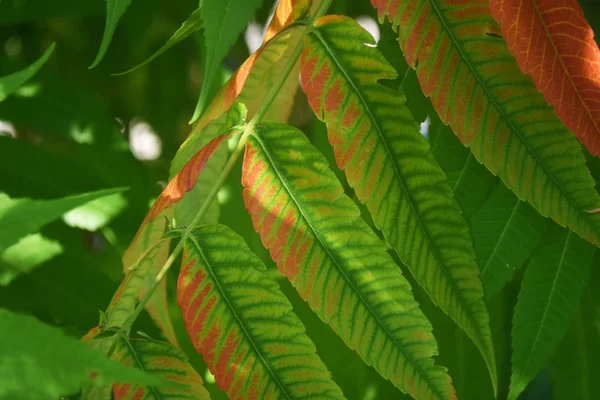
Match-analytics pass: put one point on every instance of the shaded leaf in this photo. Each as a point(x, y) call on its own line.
point(337, 264)
point(162, 360)
point(224, 20)
point(517, 137)
point(390, 166)
point(114, 11)
point(12, 82)
point(550, 293)
point(192, 24)
point(505, 231)
point(20, 217)
point(39, 361)
point(554, 44)
point(241, 323)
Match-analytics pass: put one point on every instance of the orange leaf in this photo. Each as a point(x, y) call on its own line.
point(553, 43)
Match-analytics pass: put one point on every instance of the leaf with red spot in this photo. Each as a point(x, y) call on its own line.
point(242, 324)
point(476, 86)
point(164, 361)
point(393, 171)
point(554, 44)
point(336, 262)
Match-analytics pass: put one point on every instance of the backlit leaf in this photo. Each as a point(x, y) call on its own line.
point(12, 82)
point(114, 11)
point(390, 166)
point(338, 265)
point(224, 20)
point(477, 87)
point(550, 294)
point(158, 359)
point(40, 362)
point(25, 255)
point(554, 44)
point(505, 230)
point(243, 326)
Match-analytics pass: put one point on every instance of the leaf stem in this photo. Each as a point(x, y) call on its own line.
point(270, 97)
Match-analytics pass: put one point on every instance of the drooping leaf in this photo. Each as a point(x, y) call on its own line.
point(338, 265)
point(41, 362)
point(550, 293)
point(25, 255)
point(158, 359)
point(470, 181)
point(241, 323)
point(554, 44)
point(471, 78)
point(390, 166)
point(192, 24)
point(12, 82)
point(505, 230)
point(188, 206)
point(114, 11)
point(223, 20)
point(20, 217)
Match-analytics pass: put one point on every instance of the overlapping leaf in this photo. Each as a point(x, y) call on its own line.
point(241, 323)
point(505, 231)
point(318, 240)
point(223, 20)
point(549, 297)
point(259, 70)
point(162, 360)
point(554, 44)
point(477, 87)
point(390, 166)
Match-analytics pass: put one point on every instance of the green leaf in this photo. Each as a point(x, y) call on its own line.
point(20, 217)
point(27, 254)
point(40, 362)
point(477, 87)
point(318, 240)
point(470, 181)
point(162, 360)
point(12, 82)
point(505, 231)
point(192, 24)
point(390, 166)
point(188, 206)
point(97, 213)
point(114, 11)
point(550, 293)
point(224, 20)
point(241, 323)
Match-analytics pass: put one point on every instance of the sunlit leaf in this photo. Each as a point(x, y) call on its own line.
point(12, 82)
point(549, 297)
point(97, 213)
point(554, 44)
point(41, 362)
point(338, 265)
point(20, 217)
point(191, 25)
point(390, 166)
point(476, 86)
point(162, 360)
point(27, 254)
point(114, 11)
point(241, 323)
